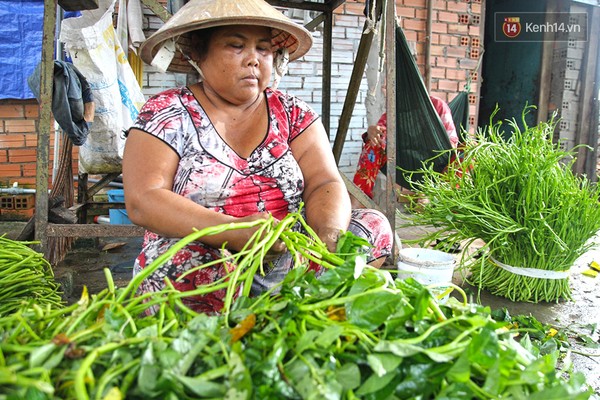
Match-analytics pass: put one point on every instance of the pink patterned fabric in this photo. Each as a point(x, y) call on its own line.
point(213, 175)
point(443, 110)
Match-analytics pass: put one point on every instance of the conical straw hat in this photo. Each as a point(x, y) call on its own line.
point(200, 14)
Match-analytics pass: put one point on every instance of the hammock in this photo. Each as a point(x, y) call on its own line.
point(421, 139)
point(459, 109)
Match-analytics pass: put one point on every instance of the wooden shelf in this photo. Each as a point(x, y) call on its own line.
point(93, 230)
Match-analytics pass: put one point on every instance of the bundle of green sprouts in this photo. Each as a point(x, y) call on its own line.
point(25, 276)
point(519, 195)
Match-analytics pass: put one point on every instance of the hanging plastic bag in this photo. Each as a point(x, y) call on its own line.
point(72, 99)
point(95, 50)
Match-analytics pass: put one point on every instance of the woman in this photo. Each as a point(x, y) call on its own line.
point(231, 149)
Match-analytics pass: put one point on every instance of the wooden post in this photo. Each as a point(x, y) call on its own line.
point(157, 9)
point(353, 87)
point(390, 73)
point(44, 124)
point(428, 45)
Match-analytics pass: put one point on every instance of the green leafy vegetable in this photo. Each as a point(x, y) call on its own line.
point(354, 332)
point(520, 196)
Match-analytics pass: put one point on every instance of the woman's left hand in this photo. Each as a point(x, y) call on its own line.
point(330, 237)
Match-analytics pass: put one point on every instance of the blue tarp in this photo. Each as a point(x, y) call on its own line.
point(21, 31)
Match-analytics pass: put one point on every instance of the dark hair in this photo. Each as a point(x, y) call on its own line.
point(200, 39)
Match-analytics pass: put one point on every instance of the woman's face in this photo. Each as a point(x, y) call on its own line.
point(238, 63)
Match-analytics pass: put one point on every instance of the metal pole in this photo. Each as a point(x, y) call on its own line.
point(327, 52)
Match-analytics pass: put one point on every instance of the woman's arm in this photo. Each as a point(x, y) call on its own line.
point(326, 199)
point(149, 167)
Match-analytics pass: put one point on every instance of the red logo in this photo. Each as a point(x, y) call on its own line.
point(511, 27)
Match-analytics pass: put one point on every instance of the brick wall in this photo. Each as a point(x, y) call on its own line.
point(456, 47)
point(18, 141)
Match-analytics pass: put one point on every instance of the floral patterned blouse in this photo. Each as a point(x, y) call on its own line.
point(212, 174)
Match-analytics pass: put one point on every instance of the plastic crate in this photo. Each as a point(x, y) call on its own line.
point(117, 216)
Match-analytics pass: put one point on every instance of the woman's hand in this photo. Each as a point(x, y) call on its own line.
point(376, 135)
point(330, 237)
point(236, 239)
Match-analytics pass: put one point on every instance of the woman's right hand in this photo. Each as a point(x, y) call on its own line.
point(376, 135)
point(237, 239)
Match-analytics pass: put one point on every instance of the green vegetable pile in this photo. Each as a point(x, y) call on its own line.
point(519, 195)
point(25, 276)
point(354, 332)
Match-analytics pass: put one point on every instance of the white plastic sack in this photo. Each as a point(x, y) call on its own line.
point(95, 50)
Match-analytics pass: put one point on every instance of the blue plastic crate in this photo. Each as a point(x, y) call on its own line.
point(117, 216)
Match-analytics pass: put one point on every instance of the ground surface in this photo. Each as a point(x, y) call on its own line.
point(580, 318)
